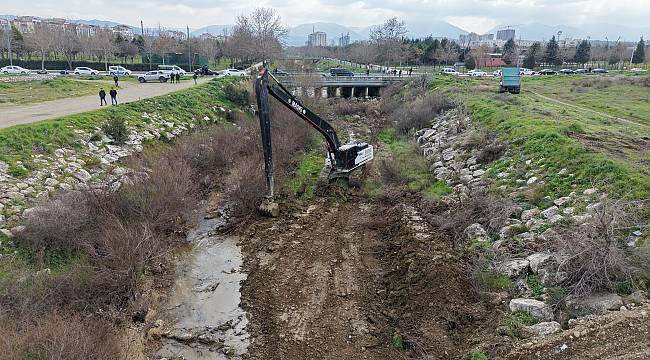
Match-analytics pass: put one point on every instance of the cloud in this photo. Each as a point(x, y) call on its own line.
point(473, 15)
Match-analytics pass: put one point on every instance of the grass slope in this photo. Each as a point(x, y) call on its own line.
point(19, 143)
point(556, 135)
point(30, 92)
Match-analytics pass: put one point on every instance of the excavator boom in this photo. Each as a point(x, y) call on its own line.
point(341, 160)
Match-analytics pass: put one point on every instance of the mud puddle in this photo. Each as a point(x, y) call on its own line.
point(202, 316)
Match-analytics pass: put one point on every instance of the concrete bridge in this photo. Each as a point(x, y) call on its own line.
point(338, 86)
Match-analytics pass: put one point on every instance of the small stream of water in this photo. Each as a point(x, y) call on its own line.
point(203, 313)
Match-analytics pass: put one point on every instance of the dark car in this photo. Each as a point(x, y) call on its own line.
point(278, 72)
point(566, 72)
point(64, 72)
point(340, 72)
point(599, 71)
point(204, 70)
point(547, 72)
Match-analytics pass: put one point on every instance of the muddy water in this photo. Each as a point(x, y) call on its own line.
point(202, 317)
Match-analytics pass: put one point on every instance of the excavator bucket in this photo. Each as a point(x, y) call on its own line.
point(269, 207)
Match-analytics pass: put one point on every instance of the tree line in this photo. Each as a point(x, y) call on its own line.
point(255, 37)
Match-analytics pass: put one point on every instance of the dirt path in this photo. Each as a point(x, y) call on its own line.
point(615, 118)
point(24, 114)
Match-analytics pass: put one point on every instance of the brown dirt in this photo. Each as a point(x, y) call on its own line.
point(618, 146)
point(616, 335)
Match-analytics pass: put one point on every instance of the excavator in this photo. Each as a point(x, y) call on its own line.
point(341, 160)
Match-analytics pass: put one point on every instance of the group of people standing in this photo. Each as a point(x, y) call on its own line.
point(102, 97)
point(176, 77)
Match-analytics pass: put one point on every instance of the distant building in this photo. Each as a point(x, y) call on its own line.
point(344, 40)
point(84, 30)
point(506, 34)
point(124, 30)
point(317, 38)
point(485, 37)
point(180, 35)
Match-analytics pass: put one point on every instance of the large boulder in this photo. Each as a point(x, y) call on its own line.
point(538, 309)
point(513, 268)
point(542, 329)
point(540, 261)
point(476, 232)
point(594, 304)
point(550, 212)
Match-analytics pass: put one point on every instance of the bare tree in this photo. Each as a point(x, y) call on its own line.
point(104, 45)
point(40, 40)
point(268, 33)
point(388, 39)
point(163, 44)
point(66, 42)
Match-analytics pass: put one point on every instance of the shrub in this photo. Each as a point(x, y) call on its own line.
point(419, 113)
point(236, 93)
point(593, 256)
point(116, 129)
point(55, 336)
point(515, 321)
point(476, 355)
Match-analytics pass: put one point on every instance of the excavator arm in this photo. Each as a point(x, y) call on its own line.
point(341, 160)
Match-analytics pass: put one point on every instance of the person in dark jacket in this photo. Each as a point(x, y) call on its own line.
point(102, 97)
point(113, 94)
point(178, 77)
point(116, 79)
point(194, 77)
point(172, 76)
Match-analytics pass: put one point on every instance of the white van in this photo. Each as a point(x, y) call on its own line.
point(171, 69)
point(119, 70)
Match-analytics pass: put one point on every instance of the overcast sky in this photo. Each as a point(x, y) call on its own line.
point(471, 15)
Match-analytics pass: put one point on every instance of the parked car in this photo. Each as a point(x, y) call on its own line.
point(638, 69)
point(43, 72)
point(171, 69)
point(566, 71)
point(160, 75)
point(581, 71)
point(340, 72)
point(64, 72)
point(14, 70)
point(525, 71)
point(205, 70)
point(278, 72)
point(85, 71)
point(599, 71)
point(477, 73)
point(496, 73)
point(233, 72)
point(547, 72)
point(449, 71)
point(119, 71)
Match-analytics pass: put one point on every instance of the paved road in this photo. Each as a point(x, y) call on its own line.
point(23, 114)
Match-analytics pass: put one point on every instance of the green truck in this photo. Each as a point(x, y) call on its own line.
point(510, 80)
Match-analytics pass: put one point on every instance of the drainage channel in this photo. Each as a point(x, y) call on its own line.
point(203, 317)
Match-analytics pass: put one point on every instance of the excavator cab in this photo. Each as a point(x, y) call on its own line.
point(341, 160)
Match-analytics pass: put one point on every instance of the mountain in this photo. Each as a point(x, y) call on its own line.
point(95, 22)
point(297, 35)
point(435, 28)
point(211, 29)
point(598, 31)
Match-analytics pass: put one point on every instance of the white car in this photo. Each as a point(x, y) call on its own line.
point(477, 73)
point(233, 72)
point(156, 75)
point(525, 71)
point(449, 71)
point(496, 73)
point(171, 69)
point(85, 71)
point(638, 69)
point(119, 70)
point(14, 70)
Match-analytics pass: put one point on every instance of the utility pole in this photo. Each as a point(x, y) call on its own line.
point(189, 49)
point(11, 60)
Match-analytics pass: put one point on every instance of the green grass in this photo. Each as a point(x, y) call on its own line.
point(304, 181)
point(413, 167)
point(554, 135)
point(476, 355)
point(518, 319)
point(535, 284)
point(22, 142)
point(29, 92)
